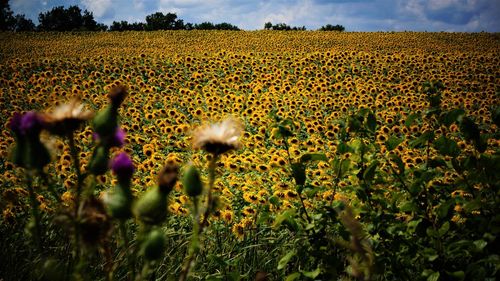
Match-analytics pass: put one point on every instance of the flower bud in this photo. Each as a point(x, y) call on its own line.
point(119, 202)
point(106, 121)
point(154, 245)
point(99, 161)
point(151, 208)
point(117, 95)
point(192, 181)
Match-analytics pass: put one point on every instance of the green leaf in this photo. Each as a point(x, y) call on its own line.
point(313, 157)
point(422, 140)
point(371, 122)
point(460, 275)
point(285, 259)
point(452, 116)
point(469, 129)
point(443, 229)
point(343, 148)
point(369, 173)
point(444, 208)
point(447, 146)
point(393, 142)
point(433, 277)
point(408, 206)
point(312, 274)
point(410, 119)
point(299, 173)
point(293, 276)
point(480, 244)
point(284, 132)
point(412, 225)
point(399, 162)
point(287, 219)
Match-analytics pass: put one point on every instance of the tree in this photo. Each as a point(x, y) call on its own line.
point(159, 21)
point(70, 19)
point(330, 27)
point(7, 20)
point(23, 24)
point(268, 25)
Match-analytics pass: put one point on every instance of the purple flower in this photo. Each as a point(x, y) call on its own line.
point(122, 166)
point(118, 138)
point(15, 123)
point(30, 123)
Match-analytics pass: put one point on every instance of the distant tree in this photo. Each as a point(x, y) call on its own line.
point(226, 26)
point(70, 19)
point(204, 26)
point(160, 21)
point(124, 26)
point(7, 19)
point(88, 21)
point(268, 25)
point(188, 26)
point(23, 24)
point(330, 27)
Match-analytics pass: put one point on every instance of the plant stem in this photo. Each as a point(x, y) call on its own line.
point(76, 165)
point(34, 210)
point(126, 245)
point(199, 226)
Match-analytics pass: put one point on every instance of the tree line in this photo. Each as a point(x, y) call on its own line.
point(74, 19)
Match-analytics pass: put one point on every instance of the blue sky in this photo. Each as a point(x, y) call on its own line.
point(355, 15)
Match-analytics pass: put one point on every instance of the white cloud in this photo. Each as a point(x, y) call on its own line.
point(97, 7)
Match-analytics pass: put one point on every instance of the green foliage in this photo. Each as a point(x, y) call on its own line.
point(330, 27)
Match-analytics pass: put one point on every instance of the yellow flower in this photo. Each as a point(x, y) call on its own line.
point(219, 137)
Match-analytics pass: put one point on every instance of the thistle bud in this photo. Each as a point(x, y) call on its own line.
point(192, 181)
point(154, 245)
point(106, 121)
point(117, 95)
point(99, 161)
point(167, 178)
point(119, 202)
point(151, 208)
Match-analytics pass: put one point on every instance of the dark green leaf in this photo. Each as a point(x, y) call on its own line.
point(447, 146)
point(369, 173)
point(410, 119)
point(299, 173)
point(313, 157)
point(393, 142)
point(451, 116)
point(371, 122)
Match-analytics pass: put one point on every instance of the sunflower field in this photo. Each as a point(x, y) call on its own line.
point(262, 155)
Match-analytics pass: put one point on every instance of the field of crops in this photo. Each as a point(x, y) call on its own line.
point(370, 156)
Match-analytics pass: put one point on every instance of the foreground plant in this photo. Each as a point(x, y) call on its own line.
point(215, 139)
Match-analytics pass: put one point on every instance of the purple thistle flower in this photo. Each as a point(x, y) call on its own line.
point(118, 138)
point(122, 166)
point(15, 123)
point(30, 123)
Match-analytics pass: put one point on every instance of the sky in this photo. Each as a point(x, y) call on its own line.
point(354, 15)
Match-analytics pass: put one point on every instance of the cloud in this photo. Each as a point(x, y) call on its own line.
point(97, 7)
point(355, 15)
